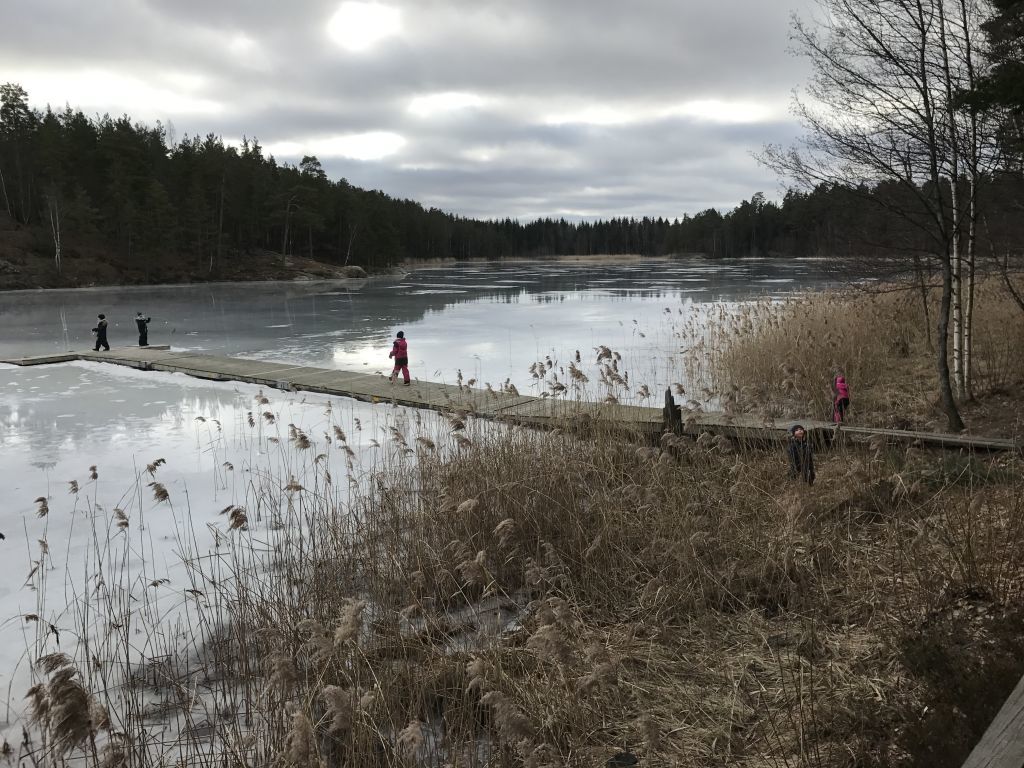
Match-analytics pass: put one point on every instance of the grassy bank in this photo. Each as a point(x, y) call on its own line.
point(778, 359)
point(501, 597)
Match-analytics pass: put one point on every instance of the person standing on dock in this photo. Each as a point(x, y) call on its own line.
point(400, 352)
point(840, 398)
point(801, 455)
point(101, 333)
point(143, 324)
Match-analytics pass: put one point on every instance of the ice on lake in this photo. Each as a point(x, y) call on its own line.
point(526, 310)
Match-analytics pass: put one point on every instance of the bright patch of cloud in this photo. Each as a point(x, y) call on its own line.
point(482, 154)
point(577, 213)
point(358, 26)
point(183, 81)
point(373, 145)
point(241, 44)
point(419, 166)
point(718, 111)
point(92, 89)
point(706, 110)
point(598, 114)
point(437, 103)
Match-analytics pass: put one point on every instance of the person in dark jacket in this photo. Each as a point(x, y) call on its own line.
point(801, 454)
point(143, 324)
point(400, 352)
point(101, 334)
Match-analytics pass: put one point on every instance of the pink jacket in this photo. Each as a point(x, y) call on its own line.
point(842, 391)
point(399, 349)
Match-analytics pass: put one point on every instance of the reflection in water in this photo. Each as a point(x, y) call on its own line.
point(491, 320)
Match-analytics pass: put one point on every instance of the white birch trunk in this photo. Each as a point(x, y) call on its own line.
point(351, 240)
point(220, 227)
point(969, 314)
point(974, 161)
point(959, 382)
point(54, 209)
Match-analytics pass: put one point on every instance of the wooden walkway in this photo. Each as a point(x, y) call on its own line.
point(516, 408)
point(1002, 745)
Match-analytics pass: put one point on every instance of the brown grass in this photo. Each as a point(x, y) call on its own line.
point(540, 601)
point(778, 358)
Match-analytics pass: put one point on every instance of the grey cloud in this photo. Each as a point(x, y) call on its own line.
point(666, 169)
point(526, 59)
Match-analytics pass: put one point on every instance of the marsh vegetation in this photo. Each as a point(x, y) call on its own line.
point(483, 595)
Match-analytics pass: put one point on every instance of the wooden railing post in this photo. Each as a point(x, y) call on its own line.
point(673, 415)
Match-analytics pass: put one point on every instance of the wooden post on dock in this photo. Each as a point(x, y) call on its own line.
point(672, 413)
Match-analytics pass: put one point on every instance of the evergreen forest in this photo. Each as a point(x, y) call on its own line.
point(199, 208)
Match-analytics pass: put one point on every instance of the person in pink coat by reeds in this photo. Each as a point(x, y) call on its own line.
point(840, 399)
point(400, 352)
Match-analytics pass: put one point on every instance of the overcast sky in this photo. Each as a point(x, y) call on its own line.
point(486, 108)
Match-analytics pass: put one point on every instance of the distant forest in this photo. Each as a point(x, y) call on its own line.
point(119, 186)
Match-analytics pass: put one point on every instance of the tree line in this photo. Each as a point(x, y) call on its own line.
point(123, 187)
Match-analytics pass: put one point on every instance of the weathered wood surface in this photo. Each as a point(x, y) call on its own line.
point(522, 409)
point(67, 357)
point(934, 438)
point(1002, 745)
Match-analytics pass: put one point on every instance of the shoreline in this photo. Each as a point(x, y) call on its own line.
point(148, 286)
point(404, 267)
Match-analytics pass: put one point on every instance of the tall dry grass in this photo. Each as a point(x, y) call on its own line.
point(778, 358)
point(516, 598)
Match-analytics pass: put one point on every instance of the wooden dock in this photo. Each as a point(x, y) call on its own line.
point(548, 412)
point(1002, 745)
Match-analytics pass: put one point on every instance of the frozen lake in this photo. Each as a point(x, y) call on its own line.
point(491, 322)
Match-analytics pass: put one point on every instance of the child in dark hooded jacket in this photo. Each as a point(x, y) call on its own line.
point(101, 333)
point(801, 455)
point(142, 323)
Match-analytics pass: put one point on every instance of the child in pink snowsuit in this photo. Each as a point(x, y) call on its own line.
point(840, 399)
point(400, 352)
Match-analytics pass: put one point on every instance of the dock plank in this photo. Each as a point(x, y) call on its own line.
point(517, 408)
point(935, 438)
point(71, 355)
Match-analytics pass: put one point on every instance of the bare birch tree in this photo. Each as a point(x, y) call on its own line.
point(880, 107)
point(53, 208)
point(969, 21)
point(974, 153)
